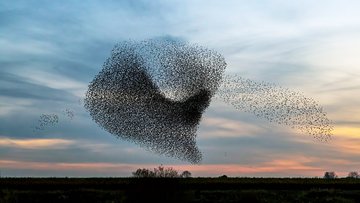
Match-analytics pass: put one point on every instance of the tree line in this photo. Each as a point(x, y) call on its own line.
point(160, 172)
point(163, 172)
point(333, 175)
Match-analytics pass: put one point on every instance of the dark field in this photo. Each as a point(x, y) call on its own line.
point(227, 190)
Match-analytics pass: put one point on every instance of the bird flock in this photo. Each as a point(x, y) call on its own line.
point(276, 104)
point(46, 121)
point(154, 92)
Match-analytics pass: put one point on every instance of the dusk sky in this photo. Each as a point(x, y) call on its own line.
point(51, 50)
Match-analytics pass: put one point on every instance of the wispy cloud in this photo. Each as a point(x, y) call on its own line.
point(347, 132)
point(35, 143)
point(224, 127)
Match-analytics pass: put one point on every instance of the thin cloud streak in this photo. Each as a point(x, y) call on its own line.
point(35, 143)
point(224, 127)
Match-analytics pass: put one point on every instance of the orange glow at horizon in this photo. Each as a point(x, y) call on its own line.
point(351, 132)
point(236, 170)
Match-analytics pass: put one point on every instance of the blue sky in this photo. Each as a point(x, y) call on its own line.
point(51, 50)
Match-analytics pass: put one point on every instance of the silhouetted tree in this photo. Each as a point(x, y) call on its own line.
point(353, 174)
point(162, 172)
point(185, 174)
point(159, 172)
point(330, 175)
point(143, 173)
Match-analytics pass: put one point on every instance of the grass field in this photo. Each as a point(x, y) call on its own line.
point(178, 190)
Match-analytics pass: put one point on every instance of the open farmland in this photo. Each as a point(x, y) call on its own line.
point(179, 190)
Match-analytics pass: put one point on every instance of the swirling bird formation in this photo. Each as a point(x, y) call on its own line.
point(153, 93)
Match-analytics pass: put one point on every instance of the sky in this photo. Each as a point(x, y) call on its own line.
point(51, 50)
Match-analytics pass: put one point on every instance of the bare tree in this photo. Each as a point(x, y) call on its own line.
point(159, 172)
point(143, 173)
point(162, 172)
point(353, 174)
point(185, 174)
point(330, 175)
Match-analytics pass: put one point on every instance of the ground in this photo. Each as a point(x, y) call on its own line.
point(178, 190)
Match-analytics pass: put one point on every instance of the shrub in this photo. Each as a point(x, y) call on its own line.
point(330, 175)
point(185, 174)
point(353, 174)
